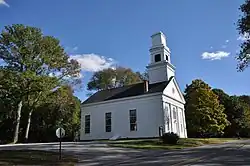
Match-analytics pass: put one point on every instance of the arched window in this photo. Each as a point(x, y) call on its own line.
point(157, 57)
point(166, 57)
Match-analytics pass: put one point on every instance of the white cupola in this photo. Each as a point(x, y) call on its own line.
point(160, 68)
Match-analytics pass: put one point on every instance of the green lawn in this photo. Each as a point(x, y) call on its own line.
point(32, 157)
point(157, 144)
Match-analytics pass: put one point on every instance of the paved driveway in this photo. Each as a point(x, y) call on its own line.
point(90, 154)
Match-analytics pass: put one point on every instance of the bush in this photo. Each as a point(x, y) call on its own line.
point(170, 138)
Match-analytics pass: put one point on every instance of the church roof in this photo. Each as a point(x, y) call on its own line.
point(126, 91)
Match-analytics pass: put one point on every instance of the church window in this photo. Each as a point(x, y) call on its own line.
point(166, 57)
point(181, 119)
point(167, 116)
point(157, 57)
point(133, 120)
point(108, 121)
point(87, 124)
point(174, 113)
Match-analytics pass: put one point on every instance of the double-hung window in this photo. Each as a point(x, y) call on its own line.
point(87, 124)
point(108, 122)
point(133, 120)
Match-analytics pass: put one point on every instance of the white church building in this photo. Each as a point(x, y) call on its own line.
point(138, 110)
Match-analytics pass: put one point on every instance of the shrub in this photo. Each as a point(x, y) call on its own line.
point(170, 138)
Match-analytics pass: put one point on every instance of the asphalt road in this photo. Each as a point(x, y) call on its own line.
point(92, 154)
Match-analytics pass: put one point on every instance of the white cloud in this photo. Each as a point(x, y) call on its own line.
point(214, 55)
point(227, 41)
point(244, 37)
point(93, 62)
point(2, 2)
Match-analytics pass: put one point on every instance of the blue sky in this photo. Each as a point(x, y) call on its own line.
point(111, 32)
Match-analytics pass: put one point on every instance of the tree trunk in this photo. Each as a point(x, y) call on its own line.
point(19, 109)
point(29, 119)
point(28, 126)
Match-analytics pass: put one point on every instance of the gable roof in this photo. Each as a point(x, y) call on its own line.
point(126, 91)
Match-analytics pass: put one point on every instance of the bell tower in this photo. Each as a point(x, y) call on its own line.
point(160, 68)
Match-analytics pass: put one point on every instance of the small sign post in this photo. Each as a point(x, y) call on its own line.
point(160, 131)
point(60, 133)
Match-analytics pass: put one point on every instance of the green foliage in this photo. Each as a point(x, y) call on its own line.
point(143, 76)
point(61, 108)
point(111, 78)
point(25, 48)
point(34, 65)
point(200, 107)
point(34, 57)
point(7, 120)
point(170, 138)
point(65, 112)
point(204, 113)
point(245, 98)
point(243, 27)
point(237, 109)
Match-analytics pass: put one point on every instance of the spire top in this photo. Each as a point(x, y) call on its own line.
point(158, 39)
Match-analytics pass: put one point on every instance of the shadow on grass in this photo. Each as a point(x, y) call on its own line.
point(157, 144)
point(148, 144)
point(34, 157)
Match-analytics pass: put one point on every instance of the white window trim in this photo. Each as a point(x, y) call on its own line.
point(106, 122)
point(85, 124)
point(135, 121)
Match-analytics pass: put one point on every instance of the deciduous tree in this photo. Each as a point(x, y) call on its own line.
point(111, 78)
point(38, 60)
point(243, 27)
point(204, 113)
point(238, 113)
point(62, 109)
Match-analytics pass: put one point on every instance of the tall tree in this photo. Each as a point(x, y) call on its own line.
point(243, 27)
point(62, 109)
point(204, 114)
point(239, 115)
point(7, 102)
point(237, 110)
point(111, 78)
point(245, 99)
point(11, 84)
point(39, 61)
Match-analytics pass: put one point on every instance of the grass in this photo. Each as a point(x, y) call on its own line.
point(157, 144)
point(34, 157)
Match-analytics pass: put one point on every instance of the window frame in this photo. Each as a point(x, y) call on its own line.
point(133, 123)
point(157, 57)
point(181, 119)
point(87, 124)
point(167, 115)
point(108, 127)
point(175, 111)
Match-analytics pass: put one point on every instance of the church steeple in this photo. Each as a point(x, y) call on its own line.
point(160, 67)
